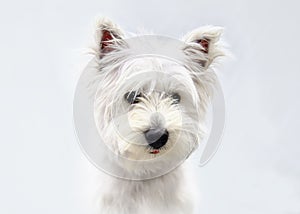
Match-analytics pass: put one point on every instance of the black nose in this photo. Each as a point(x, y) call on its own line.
point(157, 137)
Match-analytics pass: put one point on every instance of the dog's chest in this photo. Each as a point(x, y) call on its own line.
point(156, 196)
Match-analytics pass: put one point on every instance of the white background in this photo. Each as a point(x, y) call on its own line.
point(257, 168)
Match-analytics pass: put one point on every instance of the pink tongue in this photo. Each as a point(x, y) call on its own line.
point(155, 151)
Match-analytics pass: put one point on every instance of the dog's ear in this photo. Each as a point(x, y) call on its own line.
point(204, 45)
point(107, 36)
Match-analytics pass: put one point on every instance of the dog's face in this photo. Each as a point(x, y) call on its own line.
point(153, 108)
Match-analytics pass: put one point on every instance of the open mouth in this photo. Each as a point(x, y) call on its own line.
point(154, 151)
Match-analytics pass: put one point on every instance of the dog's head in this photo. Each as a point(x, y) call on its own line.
point(152, 108)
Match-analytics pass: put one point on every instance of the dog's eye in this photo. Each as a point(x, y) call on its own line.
point(132, 97)
point(176, 98)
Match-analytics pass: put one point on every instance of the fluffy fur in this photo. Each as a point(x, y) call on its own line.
point(193, 81)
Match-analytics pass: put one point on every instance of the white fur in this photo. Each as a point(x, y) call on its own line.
point(169, 193)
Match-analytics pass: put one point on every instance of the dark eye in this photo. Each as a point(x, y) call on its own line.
point(176, 98)
point(132, 97)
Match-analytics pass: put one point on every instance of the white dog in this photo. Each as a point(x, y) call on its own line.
point(150, 112)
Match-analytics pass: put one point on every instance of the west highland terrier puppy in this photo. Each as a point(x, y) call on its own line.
point(150, 112)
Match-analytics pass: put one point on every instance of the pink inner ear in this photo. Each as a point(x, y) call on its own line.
point(205, 44)
point(107, 36)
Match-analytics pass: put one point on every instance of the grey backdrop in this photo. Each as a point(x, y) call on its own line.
point(257, 168)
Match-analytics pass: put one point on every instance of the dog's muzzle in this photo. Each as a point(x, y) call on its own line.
point(156, 137)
